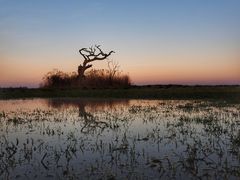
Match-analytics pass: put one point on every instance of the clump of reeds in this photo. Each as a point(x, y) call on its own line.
point(94, 79)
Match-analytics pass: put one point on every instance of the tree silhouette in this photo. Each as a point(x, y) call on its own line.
point(91, 54)
point(95, 78)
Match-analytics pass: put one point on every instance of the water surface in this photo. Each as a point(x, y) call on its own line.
point(119, 139)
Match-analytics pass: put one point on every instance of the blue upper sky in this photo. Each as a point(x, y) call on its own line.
point(146, 34)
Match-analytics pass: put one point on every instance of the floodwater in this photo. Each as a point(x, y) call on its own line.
point(119, 139)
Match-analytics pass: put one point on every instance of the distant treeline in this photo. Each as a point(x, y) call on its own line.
point(182, 86)
point(159, 86)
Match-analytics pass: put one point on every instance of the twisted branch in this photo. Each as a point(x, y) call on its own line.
point(91, 54)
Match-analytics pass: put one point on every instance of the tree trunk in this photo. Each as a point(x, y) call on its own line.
point(81, 71)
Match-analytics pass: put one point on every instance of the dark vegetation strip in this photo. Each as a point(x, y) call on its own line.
point(134, 92)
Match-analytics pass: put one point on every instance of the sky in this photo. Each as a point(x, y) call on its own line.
point(156, 41)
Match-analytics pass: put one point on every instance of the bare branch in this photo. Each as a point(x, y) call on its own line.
point(91, 54)
point(113, 68)
point(81, 52)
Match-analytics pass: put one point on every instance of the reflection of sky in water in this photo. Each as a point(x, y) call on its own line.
point(30, 104)
point(117, 137)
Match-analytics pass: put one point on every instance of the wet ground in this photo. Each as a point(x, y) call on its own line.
point(119, 139)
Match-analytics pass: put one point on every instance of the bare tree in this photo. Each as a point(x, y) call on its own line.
point(91, 54)
point(113, 68)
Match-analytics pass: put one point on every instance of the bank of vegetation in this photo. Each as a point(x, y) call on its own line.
point(131, 92)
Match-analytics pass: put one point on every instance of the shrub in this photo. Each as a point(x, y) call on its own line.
point(95, 78)
point(58, 79)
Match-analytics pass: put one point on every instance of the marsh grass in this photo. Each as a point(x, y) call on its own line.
point(141, 139)
point(95, 78)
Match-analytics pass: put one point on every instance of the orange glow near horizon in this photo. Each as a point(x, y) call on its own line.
point(174, 67)
point(173, 71)
point(211, 70)
point(186, 77)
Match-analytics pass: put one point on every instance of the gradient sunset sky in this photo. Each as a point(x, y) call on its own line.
point(156, 41)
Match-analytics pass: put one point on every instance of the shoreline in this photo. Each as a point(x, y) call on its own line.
point(170, 92)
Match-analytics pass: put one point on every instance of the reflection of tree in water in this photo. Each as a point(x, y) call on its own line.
point(90, 122)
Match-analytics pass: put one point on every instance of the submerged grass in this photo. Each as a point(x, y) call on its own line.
point(141, 140)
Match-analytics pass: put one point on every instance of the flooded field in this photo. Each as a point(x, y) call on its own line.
point(119, 139)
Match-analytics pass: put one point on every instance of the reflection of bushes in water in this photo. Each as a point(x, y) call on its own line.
point(95, 78)
point(92, 105)
point(87, 108)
